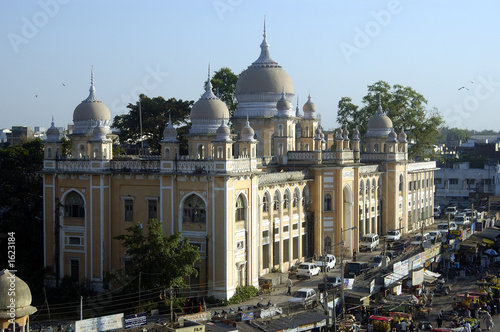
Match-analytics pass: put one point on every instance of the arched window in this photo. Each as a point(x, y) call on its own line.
point(194, 209)
point(375, 147)
point(361, 187)
point(327, 205)
point(265, 202)
point(73, 206)
point(240, 208)
point(201, 151)
point(286, 199)
point(296, 197)
point(385, 148)
point(306, 131)
point(379, 187)
point(276, 201)
point(167, 152)
point(49, 152)
point(328, 245)
point(401, 183)
point(305, 196)
point(374, 185)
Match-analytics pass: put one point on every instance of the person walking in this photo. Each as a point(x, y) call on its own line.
point(289, 285)
point(439, 321)
point(488, 321)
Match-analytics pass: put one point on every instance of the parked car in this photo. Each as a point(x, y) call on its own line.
point(307, 270)
point(437, 211)
point(305, 296)
point(353, 269)
point(418, 239)
point(461, 220)
point(434, 235)
point(332, 282)
point(393, 235)
point(369, 242)
point(378, 261)
point(329, 260)
point(401, 246)
point(392, 254)
point(443, 227)
point(451, 210)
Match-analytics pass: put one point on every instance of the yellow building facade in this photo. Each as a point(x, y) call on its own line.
point(264, 196)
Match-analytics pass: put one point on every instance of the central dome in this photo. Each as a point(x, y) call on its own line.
point(379, 125)
point(264, 75)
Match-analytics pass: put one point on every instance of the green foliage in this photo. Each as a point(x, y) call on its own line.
point(275, 270)
point(453, 135)
point(224, 83)
point(161, 260)
point(242, 293)
point(155, 114)
point(404, 106)
point(67, 146)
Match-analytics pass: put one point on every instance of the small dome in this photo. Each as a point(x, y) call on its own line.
point(207, 112)
point(283, 104)
point(379, 124)
point(247, 133)
point(22, 296)
point(355, 134)
point(52, 133)
point(309, 106)
point(99, 132)
point(223, 133)
point(169, 133)
point(393, 137)
point(346, 134)
point(403, 137)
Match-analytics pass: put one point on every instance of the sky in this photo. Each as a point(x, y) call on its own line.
point(447, 50)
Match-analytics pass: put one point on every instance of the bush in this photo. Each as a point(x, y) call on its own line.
point(275, 270)
point(242, 293)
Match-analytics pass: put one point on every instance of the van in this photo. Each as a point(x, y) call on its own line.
point(443, 227)
point(329, 260)
point(369, 242)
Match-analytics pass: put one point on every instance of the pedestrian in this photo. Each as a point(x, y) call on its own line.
point(411, 326)
point(439, 321)
point(488, 321)
point(403, 326)
point(467, 327)
point(289, 285)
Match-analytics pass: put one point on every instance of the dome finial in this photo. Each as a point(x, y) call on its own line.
point(380, 110)
point(91, 98)
point(209, 94)
point(265, 34)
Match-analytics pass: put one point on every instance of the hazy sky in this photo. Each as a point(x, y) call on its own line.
point(329, 48)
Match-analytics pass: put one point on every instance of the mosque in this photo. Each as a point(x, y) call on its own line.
point(262, 197)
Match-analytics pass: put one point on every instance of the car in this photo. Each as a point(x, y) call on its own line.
point(443, 227)
point(392, 254)
point(305, 296)
point(378, 261)
point(369, 242)
point(393, 235)
point(332, 282)
point(329, 260)
point(401, 246)
point(419, 238)
point(353, 269)
point(462, 220)
point(307, 270)
point(451, 210)
point(434, 235)
point(437, 211)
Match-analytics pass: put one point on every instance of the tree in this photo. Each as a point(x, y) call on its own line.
point(404, 106)
point(162, 260)
point(224, 84)
point(21, 207)
point(155, 114)
point(453, 135)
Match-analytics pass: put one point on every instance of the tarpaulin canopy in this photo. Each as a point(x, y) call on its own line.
point(399, 314)
point(384, 318)
point(430, 277)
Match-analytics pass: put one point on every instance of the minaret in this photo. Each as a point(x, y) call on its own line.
point(169, 144)
point(101, 147)
point(53, 144)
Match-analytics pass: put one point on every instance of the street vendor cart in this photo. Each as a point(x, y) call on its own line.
point(400, 317)
point(380, 323)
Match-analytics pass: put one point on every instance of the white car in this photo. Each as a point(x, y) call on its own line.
point(419, 238)
point(378, 261)
point(393, 235)
point(462, 220)
point(307, 270)
point(434, 234)
point(329, 260)
point(305, 296)
point(443, 227)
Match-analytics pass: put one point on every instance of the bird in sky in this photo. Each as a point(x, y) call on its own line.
point(463, 88)
point(36, 96)
point(63, 84)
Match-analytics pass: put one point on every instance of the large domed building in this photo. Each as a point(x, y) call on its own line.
point(271, 192)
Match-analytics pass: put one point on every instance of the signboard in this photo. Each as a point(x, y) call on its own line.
point(417, 277)
point(136, 320)
point(390, 279)
point(417, 262)
point(105, 323)
point(247, 315)
point(199, 317)
point(348, 283)
point(405, 267)
point(397, 270)
point(372, 286)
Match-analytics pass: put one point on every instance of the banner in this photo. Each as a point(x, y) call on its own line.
point(417, 277)
point(98, 324)
point(136, 320)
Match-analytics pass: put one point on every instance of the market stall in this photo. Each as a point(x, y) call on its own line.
point(381, 323)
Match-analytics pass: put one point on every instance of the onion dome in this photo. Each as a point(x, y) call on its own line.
point(52, 133)
point(346, 134)
point(355, 134)
point(379, 124)
point(99, 132)
point(89, 111)
point(309, 109)
point(223, 132)
point(169, 133)
point(22, 296)
point(207, 112)
point(393, 137)
point(284, 106)
point(262, 82)
point(402, 136)
point(322, 135)
point(317, 134)
point(247, 133)
point(339, 135)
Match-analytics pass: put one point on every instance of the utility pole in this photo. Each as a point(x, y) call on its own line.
point(341, 271)
point(325, 292)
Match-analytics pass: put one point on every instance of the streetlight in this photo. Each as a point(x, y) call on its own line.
point(342, 267)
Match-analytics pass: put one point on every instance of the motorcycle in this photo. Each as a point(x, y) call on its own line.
point(442, 290)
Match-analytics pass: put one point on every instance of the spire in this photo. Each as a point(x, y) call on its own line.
point(92, 98)
point(264, 58)
point(209, 94)
point(380, 111)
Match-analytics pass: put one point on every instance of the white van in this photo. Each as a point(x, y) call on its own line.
point(369, 242)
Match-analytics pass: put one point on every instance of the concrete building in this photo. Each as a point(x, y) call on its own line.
point(264, 196)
